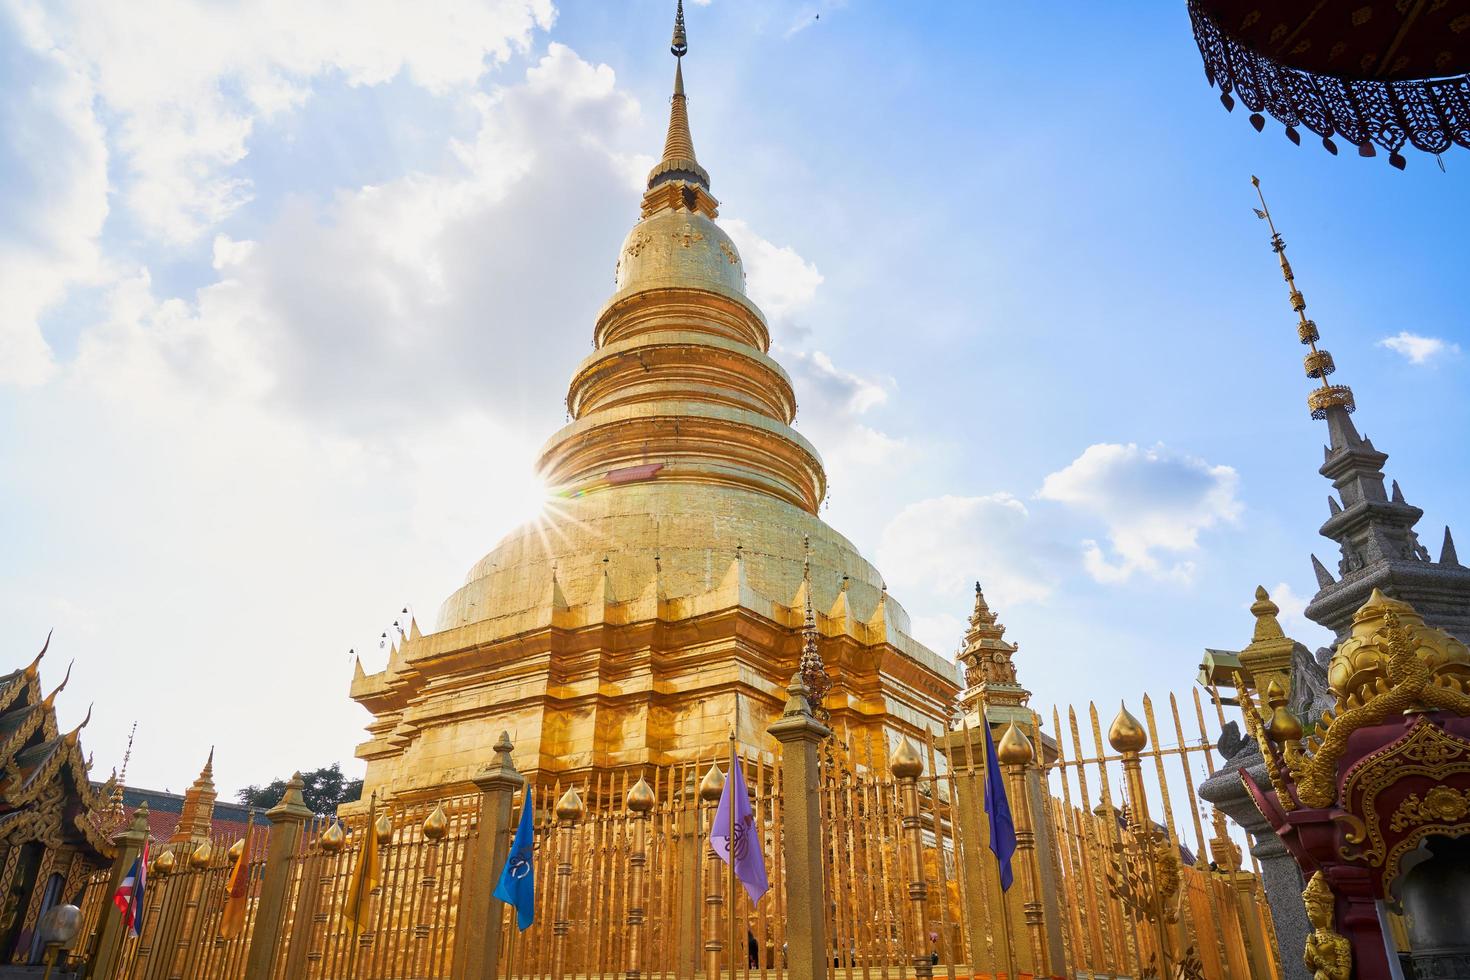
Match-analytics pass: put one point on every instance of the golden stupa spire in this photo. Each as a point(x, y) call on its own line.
point(678, 163)
point(1318, 363)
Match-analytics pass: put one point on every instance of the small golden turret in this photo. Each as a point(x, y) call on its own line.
point(1318, 363)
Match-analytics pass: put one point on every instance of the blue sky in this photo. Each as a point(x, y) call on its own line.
point(288, 301)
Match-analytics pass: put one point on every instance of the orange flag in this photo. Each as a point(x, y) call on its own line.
point(366, 874)
point(237, 890)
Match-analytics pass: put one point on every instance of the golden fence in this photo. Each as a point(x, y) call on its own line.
point(180, 937)
point(1110, 875)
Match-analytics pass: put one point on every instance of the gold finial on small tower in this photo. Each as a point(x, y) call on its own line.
point(1318, 364)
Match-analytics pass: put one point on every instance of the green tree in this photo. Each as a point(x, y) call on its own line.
point(325, 789)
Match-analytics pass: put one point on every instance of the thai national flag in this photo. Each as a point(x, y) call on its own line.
point(129, 896)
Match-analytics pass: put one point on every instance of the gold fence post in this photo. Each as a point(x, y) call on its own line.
point(687, 915)
point(710, 788)
point(907, 766)
point(640, 801)
point(1015, 752)
point(981, 898)
point(1127, 737)
point(287, 818)
point(477, 943)
point(569, 812)
point(110, 941)
point(800, 733)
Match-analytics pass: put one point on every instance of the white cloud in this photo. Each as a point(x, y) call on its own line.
point(1417, 349)
point(186, 82)
point(1293, 609)
point(1152, 503)
point(397, 303)
point(53, 154)
point(777, 277)
point(936, 549)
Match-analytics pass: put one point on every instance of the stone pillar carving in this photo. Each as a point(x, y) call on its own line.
point(478, 952)
point(130, 844)
point(800, 734)
point(287, 819)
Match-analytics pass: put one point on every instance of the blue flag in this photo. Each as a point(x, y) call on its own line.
point(998, 809)
point(517, 885)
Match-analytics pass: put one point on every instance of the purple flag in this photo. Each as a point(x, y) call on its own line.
point(750, 863)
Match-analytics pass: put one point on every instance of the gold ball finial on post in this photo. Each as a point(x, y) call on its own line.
point(202, 856)
point(570, 809)
point(333, 839)
point(163, 865)
point(906, 762)
point(1126, 733)
point(712, 785)
point(436, 824)
point(641, 798)
point(1015, 748)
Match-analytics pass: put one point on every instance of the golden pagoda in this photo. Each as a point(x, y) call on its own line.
point(660, 597)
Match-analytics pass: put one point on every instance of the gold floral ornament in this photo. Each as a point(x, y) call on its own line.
point(1442, 804)
point(1328, 954)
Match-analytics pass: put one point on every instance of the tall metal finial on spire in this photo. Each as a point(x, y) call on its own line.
point(116, 803)
point(679, 164)
point(1318, 364)
point(680, 45)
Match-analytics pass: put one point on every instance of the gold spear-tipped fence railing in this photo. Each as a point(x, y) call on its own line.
point(1110, 873)
point(182, 906)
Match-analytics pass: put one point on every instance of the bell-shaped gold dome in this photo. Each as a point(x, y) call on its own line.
point(1359, 668)
point(680, 248)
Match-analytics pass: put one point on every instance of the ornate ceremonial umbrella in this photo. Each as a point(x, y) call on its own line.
point(1385, 72)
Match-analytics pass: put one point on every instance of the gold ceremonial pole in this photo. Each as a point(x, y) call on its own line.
point(1005, 903)
point(730, 864)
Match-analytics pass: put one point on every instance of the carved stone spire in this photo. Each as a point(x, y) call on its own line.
point(1373, 526)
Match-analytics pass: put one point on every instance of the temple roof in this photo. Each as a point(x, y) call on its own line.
point(45, 792)
point(1374, 72)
